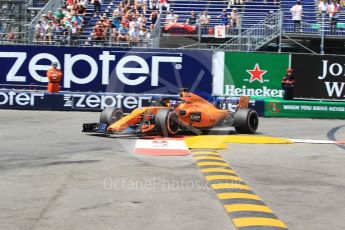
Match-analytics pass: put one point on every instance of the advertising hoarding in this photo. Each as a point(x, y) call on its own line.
point(319, 76)
point(254, 74)
point(93, 69)
point(304, 109)
point(40, 100)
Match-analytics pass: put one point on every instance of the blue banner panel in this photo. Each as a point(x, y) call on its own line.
point(93, 69)
point(40, 100)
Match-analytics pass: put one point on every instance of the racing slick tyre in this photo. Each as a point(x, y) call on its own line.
point(166, 122)
point(110, 115)
point(246, 121)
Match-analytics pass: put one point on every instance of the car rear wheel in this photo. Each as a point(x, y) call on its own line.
point(246, 121)
point(166, 122)
point(110, 115)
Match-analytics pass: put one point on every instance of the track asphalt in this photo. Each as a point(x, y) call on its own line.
point(52, 176)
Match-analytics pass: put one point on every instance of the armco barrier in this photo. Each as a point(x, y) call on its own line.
point(69, 101)
point(92, 69)
point(65, 101)
point(304, 109)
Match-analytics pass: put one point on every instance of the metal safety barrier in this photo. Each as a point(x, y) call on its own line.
point(52, 5)
point(256, 36)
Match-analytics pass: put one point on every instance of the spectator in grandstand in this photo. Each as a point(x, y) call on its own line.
point(142, 20)
point(114, 34)
point(144, 36)
point(44, 19)
point(68, 21)
point(204, 21)
point(59, 15)
point(153, 19)
point(272, 21)
point(322, 6)
point(133, 24)
point(333, 10)
point(80, 9)
point(134, 36)
point(83, 3)
point(154, 4)
point(192, 20)
point(224, 19)
point(119, 10)
point(98, 34)
point(171, 17)
point(128, 15)
point(69, 4)
point(64, 9)
point(165, 4)
point(140, 5)
point(123, 33)
point(82, 12)
point(288, 84)
point(10, 36)
point(40, 31)
point(54, 76)
point(60, 34)
point(234, 18)
point(97, 7)
point(229, 4)
point(342, 3)
point(117, 19)
point(70, 35)
point(66, 34)
point(103, 21)
point(50, 15)
point(75, 8)
point(130, 3)
point(297, 13)
point(232, 2)
point(49, 29)
point(77, 22)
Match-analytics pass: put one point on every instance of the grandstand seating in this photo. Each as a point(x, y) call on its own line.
point(39, 3)
point(311, 20)
point(252, 11)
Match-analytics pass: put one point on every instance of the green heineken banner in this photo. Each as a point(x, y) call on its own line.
point(307, 109)
point(254, 74)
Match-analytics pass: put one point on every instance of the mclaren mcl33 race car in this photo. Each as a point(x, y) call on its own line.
point(168, 116)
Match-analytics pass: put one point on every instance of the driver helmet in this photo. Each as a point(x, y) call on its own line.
point(173, 103)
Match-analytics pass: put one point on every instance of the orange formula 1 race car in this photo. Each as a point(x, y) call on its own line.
point(171, 115)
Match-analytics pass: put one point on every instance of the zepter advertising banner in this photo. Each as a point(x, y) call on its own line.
point(93, 69)
point(76, 101)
